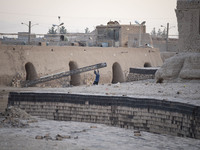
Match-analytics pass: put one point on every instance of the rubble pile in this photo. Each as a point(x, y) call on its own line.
point(16, 81)
point(15, 117)
point(58, 137)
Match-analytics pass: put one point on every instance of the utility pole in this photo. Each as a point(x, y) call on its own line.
point(29, 33)
point(58, 26)
point(167, 36)
point(29, 30)
point(58, 23)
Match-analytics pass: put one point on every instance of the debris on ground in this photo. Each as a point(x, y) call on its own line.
point(15, 117)
point(137, 133)
point(16, 81)
point(48, 137)
point(38, 137)
point(61, 137)
point(117, 85)
point(93, 126)
point(58, 137)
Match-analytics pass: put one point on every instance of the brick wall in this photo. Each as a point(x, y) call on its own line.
point(152, 115)
point(3, 101)
point(137, 77)
point(136, 74)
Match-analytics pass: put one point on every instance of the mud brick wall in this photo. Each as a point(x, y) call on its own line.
point(137, 77)
point(136, 74)
point(152, 115)
point(3, 101)
point(26, 61)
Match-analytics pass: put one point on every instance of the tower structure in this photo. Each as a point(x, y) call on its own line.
point(188, 18)
point(185, 65)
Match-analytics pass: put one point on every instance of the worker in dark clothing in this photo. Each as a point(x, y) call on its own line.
point(96, 81)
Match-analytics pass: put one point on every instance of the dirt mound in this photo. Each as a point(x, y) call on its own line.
point(180, 67)
point(15, 117)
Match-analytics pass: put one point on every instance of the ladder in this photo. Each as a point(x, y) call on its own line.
point(29, 83)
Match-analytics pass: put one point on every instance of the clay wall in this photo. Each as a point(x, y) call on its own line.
point(17, 61)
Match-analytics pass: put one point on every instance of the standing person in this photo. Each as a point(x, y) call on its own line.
point(96, 81)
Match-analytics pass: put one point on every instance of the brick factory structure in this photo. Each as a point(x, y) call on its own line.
point(157, 115)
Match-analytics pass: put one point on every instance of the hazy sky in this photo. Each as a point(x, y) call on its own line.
point(79, 14)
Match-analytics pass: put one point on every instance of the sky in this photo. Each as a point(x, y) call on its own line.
point(80, 14)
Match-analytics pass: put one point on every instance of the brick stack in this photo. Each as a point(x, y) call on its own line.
point(153, 115)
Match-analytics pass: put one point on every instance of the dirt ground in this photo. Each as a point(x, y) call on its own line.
point(87, 136)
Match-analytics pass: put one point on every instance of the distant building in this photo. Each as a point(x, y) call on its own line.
point(53, 37)
point(161, 44)
point(23, 36)
point(146, 40)
point(83, 39)
point(72, 39)
point(114, 34)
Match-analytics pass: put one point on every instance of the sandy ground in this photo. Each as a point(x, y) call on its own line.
point(182, 92)
point(88, 136)
point(101, 137)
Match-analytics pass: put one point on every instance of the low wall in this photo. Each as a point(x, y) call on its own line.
point(152, 115)
point(141, 74)
point(136, 77)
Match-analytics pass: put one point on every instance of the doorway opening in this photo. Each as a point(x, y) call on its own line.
point(62, 38)
point(74, 79)
point(146, 64)
point(117, 73)
point(30, 71)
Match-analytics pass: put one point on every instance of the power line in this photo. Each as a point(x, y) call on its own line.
point(89, 18)
point(25, 14)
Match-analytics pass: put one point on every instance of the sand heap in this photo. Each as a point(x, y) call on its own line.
point(183, 66)
point(15, 117)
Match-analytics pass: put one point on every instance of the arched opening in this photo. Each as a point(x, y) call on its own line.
point(146, 64)
point(117, 73)
point(30, 71)
point(62, 38)
point(75, 79)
